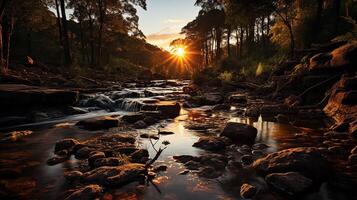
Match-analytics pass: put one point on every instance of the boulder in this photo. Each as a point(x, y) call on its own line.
point(168, 109)
point(73, 175)
point(140, 124)
point(248, 191)
point(320, 60)
point(98, 123)
point(108, 162)
point(184, 158)
point(306, 160)
point(133, 118)
point(345, 55)
point(210, 143)
point(139, 155)
point(352, 159)
point(210, 172)
point(239, 133)
point(87, 192)
point(65, 144)
point(291, 183)
point(57, 160)
point(238, 99)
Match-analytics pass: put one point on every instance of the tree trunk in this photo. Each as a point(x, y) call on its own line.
point(81, 35)
point(2, 11)
point(237, 42)
point(206, 53)
point(91, 39)
point(102, 9)
point(67, 52)
point(218, 42)
point(317, 24)
point(292, 41)
point(59, 23)
point(29, 42)
point(241, 41)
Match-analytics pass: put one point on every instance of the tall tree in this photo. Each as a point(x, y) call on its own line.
point(66, 45)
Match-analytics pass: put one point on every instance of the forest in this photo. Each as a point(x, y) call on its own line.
point(178, 99)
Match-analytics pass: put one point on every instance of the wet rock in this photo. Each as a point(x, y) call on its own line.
point(183, 158)
point(341, 127)
point(57, 160)
point(344, 55)
point(87, 192)
point(336, 150)
point(65, 144)
point(210, 143)
point(71, 110)
point(124, 94)
point(238, 99)
point(248, 191)
point(16, 135)
point(166, 132)
point(247, 159)
point(240, 133)
point(305, 160)
point(209, 172)
point(149, 136)
point(95, 156)
point(139, 155)
point(108, 162)
point(221, 107)
point(320, 60)
point(83, 153)
point(216, 163)
point(291, 183)
point(257, 153)
point(160, 168)
point(354, 150)
point(168, 109)
point(352, 159)
point(133, 118)
point(211, 99)
point(114, 175)
point(140, 124)
point(336, 135)
point(98, 123)
point(101, 101)
point(192, 165)
point(260, 146)
point(184, 172)
point(73, 175)
point(150, 120)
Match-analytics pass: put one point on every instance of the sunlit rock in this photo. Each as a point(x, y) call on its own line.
point(291, 183)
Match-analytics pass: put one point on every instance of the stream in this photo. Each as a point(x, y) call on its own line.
point(41, 181)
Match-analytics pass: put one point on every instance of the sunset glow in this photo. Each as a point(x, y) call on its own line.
point(179, 52)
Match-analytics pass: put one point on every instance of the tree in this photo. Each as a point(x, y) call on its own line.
point(66, 45)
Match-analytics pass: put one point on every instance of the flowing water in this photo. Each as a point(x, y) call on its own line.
point(41, 181)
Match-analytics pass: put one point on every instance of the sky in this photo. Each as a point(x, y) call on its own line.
point(163, 20)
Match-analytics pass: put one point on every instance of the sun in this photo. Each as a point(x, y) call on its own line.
point(180, 52)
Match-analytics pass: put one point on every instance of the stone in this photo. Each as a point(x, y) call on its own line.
point(248, 191)
point(108, 162)
point(247, 159)
point(83, 153)
point(71, 110)
point(150, 136)
point(260, 146)
point(336, 135)
point(210, 143)
point(87, 192)
point(337, 150)
point(211, 99)
point(184, 172)
point(98, 123)
point(139, 155)
point(345, 55)
point(168, 109)
point(165, 132)
point(209, 172)
point(221, 107)
point(160, 168)
point(57, 160)
point(95, 156)
point(291, 183)
point(238, 99)
point(320, 60)
point(352, 159)
point(140, 124)
point(183, 158)
point(240, 133)
point(192, 165)
point(149, 120)
point(133, 118)
point(305, 160)
point(73, 175)
point(65, 144)
point(354, 150)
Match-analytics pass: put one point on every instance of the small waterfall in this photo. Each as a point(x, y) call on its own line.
point(131, 105)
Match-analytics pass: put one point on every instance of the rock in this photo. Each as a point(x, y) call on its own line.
point(57, 160)
point(292, 101)
point(140, 124)
point(16, 135)
point(83, 153)
point(336, 135)
point(71, 110)
point(210, 143)
point(247, 159)
point(95, 156)
point(291, 183)
point(320, 60)
point(149, 136)
point(248, 191)
point(192, 165)
point(100, 101)
point(337, 150)
point(305, 160)
point(13, 120)
point(65, 144)
point(238, 99)
point(114, 176)
point(168, 109)
point(26, 96)
point(183, 158)
point(282, 118)
point(344, 56)
point(108, 162)
point(87, 192)
point(260, 146)
point(240, 133)
point(139, 155)
point(98, 123)
point(216, 163)
point(209, 172)
point(73, 175)
point(221, 107)
point(352, 159)
point(165, 133)
point(184, 172)
point(354, 150)
point(132, 118)
point(257, 153)
point(150, 120)
point(160, 168)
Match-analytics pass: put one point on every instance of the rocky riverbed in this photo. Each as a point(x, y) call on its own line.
point(166, 140)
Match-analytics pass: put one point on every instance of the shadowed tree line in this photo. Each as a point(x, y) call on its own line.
point(77, 35)
point(235, 32)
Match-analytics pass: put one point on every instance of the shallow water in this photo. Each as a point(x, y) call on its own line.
point(34, 150)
